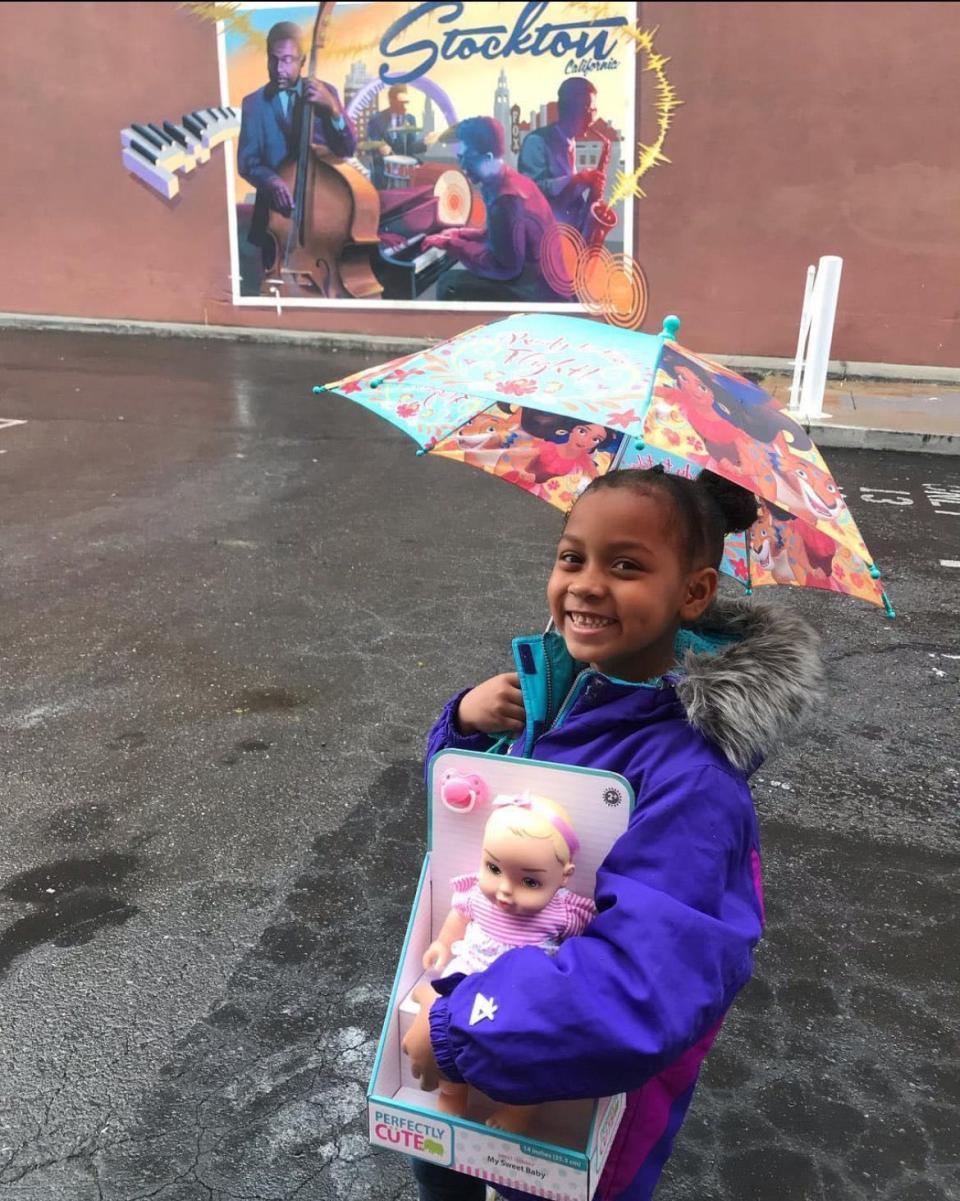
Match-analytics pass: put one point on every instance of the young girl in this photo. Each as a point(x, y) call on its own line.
point(517, 899)
point(649, 675)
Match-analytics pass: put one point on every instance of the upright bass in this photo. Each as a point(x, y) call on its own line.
point(323, 248)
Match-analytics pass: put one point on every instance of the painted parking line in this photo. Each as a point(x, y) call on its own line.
point(5, 421)
point(950, 562)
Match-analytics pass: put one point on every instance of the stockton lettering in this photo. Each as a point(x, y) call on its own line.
point(590, 41)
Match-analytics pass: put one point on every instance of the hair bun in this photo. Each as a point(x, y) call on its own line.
point(737, 506)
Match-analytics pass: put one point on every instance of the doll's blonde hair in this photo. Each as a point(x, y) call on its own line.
point(533, 816)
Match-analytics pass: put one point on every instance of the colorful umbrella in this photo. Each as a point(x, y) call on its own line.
point(548, 403)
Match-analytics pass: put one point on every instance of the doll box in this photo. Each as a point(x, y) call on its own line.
point(563, 1155)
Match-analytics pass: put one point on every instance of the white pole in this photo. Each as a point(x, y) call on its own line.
point(802, 341)
point(826, 289)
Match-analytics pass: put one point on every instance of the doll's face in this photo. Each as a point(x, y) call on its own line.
point(519, 874)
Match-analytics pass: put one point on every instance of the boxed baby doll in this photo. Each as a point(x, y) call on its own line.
point(472, 903)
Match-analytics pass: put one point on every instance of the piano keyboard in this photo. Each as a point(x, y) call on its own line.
point(159, 154)
point(406, 254)
point(406, 271)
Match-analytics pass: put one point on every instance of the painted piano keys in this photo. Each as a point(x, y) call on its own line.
point(159, 153)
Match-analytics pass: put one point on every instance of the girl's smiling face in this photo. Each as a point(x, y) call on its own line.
point(620, 586)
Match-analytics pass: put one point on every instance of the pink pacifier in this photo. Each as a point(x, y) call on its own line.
point(460, 793)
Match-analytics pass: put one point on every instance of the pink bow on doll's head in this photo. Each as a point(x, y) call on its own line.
point(526, 800)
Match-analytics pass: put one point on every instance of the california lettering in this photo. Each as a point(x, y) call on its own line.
point(592, 41)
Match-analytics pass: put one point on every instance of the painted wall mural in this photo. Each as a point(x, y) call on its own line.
point(160, 152)
point(437, 155)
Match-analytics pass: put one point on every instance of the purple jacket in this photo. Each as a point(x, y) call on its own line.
point(634, 1004)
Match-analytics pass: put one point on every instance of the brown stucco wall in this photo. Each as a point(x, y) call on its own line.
point(811, 129)
point(806, 129)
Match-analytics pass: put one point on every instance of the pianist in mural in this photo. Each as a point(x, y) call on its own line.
point(500, 261)
point(270, 127)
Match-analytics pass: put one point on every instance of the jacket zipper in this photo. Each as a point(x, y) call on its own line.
point(548, 672)
point(568, 700)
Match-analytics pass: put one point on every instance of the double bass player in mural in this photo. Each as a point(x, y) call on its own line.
point(315, 215)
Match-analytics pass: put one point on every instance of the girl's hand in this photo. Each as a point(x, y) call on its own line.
point(436, 956)
point(493, 707)
point(417, 1044)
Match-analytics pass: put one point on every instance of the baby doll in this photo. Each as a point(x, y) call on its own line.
point(517, 899)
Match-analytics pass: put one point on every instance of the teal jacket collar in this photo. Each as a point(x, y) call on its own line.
point(551, 679)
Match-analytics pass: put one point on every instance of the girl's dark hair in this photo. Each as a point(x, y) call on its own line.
point(704, 510)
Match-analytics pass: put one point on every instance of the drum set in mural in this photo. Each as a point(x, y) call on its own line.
point(399, 169)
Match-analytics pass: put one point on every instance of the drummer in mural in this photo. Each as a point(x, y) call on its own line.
point(395, 131)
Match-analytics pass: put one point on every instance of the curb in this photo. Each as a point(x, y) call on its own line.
point(840, 369)
point(858, 437)
point(319, 339)
point(844, 369)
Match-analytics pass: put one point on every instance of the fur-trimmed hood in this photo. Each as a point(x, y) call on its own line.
point(754, 690)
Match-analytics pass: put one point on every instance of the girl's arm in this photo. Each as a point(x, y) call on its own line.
point(437, 955)
point(678, 917)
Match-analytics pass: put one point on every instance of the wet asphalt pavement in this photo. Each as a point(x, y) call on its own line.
point(230, 612)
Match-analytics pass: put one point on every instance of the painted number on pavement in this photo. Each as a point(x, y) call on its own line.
point(945, 500)
point(885, 496)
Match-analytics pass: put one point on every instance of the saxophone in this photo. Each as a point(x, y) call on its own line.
point(600, 216)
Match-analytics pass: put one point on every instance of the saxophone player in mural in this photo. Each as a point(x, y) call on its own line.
point(548, 156)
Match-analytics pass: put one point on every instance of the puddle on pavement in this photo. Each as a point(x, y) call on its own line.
point(73, 899)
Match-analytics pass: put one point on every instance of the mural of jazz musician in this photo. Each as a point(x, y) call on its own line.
point(382, 159)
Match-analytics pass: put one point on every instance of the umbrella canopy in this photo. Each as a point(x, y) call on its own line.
point(548, 403)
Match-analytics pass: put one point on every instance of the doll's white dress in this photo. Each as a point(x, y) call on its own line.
point(491, 931)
